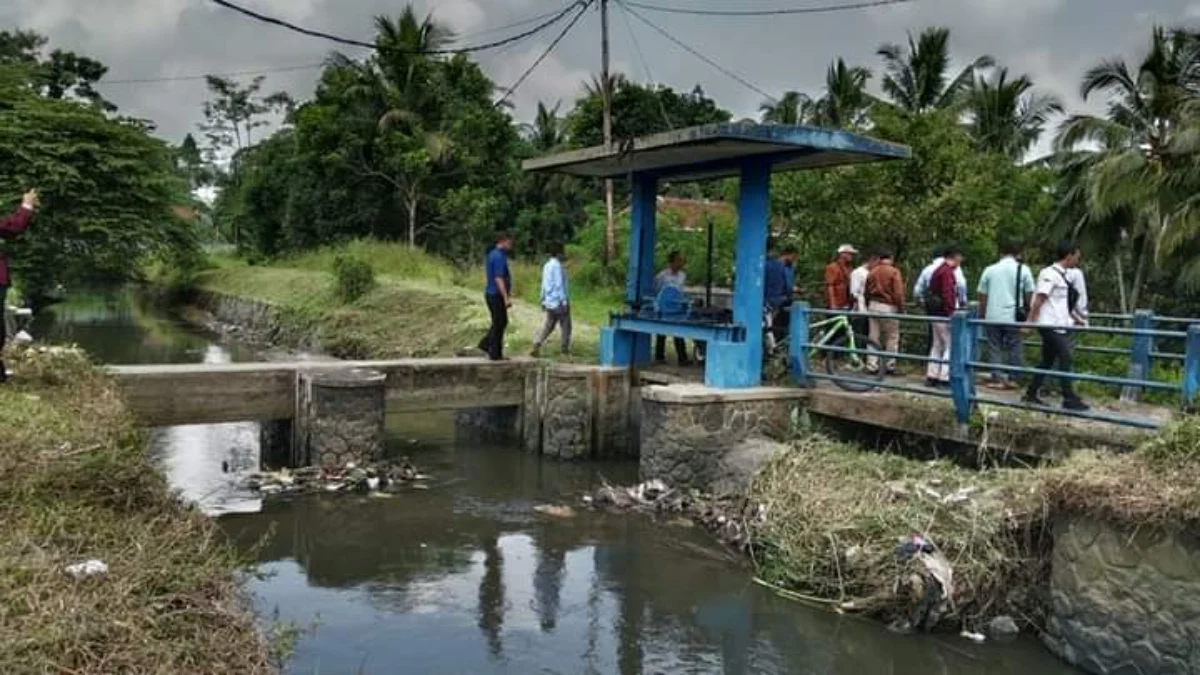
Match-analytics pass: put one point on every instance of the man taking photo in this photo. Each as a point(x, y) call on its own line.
point(11, 227)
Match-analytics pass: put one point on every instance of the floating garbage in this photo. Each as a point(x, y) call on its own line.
point(385, 477)
point(88, 568)
point(23, 338)
point(973, 637)
point(727, 517)
point(555, 511)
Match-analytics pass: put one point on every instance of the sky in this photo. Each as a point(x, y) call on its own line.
point(1053, 41)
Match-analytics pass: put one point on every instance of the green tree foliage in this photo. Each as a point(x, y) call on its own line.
point(791, 108)
point(947, 193)
point(637, 111)
point(58, 75)
point(108, 187)
point(1008, 116)
point(846, 101)
point(918, 80)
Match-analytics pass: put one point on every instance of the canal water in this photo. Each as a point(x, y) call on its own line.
point(466, 577)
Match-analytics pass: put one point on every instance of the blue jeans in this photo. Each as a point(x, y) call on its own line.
point(1005, 347)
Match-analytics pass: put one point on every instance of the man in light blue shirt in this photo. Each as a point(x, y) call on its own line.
point(555, 302)
point(1004, 291)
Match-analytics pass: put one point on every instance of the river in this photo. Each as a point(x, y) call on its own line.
point(465, 577)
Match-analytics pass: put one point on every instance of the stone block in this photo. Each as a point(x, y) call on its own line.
point(340, 416)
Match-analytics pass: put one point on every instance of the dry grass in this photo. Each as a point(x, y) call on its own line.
point(835, 515)
point(75, 484)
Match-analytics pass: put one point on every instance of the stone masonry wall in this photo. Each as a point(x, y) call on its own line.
point(685, 442)
point(577, 412)
point(341, 417)
point(1125, 602)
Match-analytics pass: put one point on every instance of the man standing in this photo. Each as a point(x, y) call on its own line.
point(837, 279)
point(1055, 308)
point(885, 295)
point(778, 285)
point(498, 294)
point(922, 285)
point(675, 277)
point(858, 291)
point(941, 301)
point(555, 301)
point(11, 227)
point(1004, 291)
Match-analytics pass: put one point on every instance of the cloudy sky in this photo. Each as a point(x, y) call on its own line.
point(1054, 41)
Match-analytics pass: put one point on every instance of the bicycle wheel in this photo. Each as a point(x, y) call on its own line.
point(853, 363)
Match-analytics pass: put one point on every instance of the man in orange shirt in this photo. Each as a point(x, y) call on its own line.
point(885, 295)
point(837, 279)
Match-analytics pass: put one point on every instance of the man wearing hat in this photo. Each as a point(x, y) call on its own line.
point(837, 279)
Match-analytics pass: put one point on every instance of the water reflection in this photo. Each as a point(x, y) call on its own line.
point(466, 578)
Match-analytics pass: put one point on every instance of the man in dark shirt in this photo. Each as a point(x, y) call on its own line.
point(942, 301)
point(498, 294)
point(778, 283)
point(11, 227)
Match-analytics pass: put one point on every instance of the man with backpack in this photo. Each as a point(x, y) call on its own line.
point(941, 300)
point(1055, 308)
point(1004, 291)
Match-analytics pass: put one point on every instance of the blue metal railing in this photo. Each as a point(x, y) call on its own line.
point(965, 363)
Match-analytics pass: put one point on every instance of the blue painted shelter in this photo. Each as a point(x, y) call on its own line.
point(751, 152)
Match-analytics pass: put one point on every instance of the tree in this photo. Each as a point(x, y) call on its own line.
point(546, 132)
point(62, 75)
point(917, 80)
point(846, 100)
point(108, 189)
point(1008, 116)
point(235, 111)
point(1138, 160)
point(791, 108)
point(638, 110)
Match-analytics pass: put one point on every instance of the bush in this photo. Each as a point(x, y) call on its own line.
point(354, 277)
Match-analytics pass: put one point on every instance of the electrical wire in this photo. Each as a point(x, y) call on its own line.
point(695, 52)
point(510, 26)
point(528, 71)
point(645, 66)
point(558, 16)
point(188, 78)
point(823, 9)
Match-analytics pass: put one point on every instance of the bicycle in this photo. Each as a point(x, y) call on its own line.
point(848, 358)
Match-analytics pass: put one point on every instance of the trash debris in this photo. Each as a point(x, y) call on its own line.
point(973, 637)
point(1003, 627)
point(929, 585)
point(88, 568)
point(556, 511)
point(726, 517)
point(22, 338)
point(351, 478)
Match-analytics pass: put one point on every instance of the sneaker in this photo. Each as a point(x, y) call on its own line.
point(536, 352)
point(931, 382)
point(1076, 405)
point(1033, 400)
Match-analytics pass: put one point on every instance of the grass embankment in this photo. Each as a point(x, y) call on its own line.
point(76, 483)
point(420, 306)
point(835, 515)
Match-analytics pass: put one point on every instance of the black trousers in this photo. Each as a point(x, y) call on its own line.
point(1057, 354)
point(493, 342)
point(660, 349)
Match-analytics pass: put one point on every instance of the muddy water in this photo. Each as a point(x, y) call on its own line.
point(465, 577)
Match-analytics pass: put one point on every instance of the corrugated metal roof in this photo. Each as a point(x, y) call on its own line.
point(719, 150)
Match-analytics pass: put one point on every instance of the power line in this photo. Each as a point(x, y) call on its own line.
point(823, 9)
point(510, 26)
point(558, 16)
point(188, 78)
point(645, 66)
point(694, 52)
point(528, 71)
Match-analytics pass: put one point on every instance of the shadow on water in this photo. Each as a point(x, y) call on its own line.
point(465, 577)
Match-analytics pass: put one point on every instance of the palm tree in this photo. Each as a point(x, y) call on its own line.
point(916, 79)
point(846, 100)
point(1141, 157)
point(791, 108)
point(1008, 116)
point(546, 131)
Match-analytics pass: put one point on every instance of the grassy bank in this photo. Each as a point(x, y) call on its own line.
point(420, 305)
point(76, 484)
point(835, 514)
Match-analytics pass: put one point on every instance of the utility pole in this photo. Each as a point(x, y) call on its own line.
point(610, 243)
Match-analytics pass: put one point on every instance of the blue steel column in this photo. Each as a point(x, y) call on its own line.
point(618, 348)
point(739, 364)
point(1191, 368)
point(797, 338)
point(1139, 363)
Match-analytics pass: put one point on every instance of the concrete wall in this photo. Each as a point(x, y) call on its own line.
point(1123, 601)
point(689, 432)
point(577, 412)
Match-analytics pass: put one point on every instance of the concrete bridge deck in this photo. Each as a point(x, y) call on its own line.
point(168, 395)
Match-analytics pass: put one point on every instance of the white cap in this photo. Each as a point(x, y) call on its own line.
point(847, 248)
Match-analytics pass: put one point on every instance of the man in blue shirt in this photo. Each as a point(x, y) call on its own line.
point(497, 292)
point(778, 287)
point(555, 301)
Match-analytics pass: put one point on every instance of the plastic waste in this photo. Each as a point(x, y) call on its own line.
point(88, 568)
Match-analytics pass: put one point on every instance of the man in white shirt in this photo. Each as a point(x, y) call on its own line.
point(1055, 308)
point(674, 276)
point(858, 290)
point(555, 302)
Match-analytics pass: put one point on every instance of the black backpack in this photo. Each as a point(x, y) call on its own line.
point(1072, 292)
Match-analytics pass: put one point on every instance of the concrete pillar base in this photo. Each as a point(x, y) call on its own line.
point(577, 412)
point(276, 447)
point(340, 417)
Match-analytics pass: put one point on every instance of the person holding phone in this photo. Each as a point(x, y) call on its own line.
point(10, 228)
